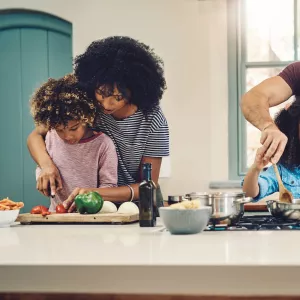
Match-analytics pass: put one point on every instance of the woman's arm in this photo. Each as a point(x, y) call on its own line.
point(49, 176)
point(118, 194)
point(123, 193)
point(37, 147)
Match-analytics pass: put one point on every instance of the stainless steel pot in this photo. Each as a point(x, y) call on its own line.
point(286, 211)
point(227, 208)
point(176, 199)
point(205, 198)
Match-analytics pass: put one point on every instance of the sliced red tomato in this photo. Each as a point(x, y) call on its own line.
point(40, 209)
point(36, 210)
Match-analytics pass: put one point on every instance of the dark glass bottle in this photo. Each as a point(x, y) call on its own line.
point(147, 198)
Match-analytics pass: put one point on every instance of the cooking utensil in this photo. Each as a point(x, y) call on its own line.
point(176, 199)
point(284, 194)
point(227, 208)
point(286, 211)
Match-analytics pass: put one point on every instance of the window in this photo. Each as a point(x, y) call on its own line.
point(262, 39)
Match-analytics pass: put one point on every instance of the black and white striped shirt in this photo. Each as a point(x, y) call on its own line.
point(135, 137)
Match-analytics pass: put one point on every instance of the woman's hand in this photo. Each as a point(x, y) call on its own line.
point(69, 204)
point(49, 177)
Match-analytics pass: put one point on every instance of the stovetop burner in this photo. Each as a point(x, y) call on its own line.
point(258, 222)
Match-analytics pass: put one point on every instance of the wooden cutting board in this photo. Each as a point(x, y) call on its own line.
point(114, 218)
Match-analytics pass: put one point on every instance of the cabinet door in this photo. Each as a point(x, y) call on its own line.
point(28, 57)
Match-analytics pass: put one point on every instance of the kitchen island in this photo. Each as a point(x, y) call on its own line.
point(127, 259)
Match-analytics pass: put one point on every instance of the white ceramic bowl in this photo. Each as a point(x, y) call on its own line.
point(7, 217)
point(185, 221)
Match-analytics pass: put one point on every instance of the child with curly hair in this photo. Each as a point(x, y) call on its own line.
point(86, 161)
point(126, 78)
point(260, 183)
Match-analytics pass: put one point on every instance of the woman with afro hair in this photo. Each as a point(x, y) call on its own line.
point(260, 181)
point(127, 79)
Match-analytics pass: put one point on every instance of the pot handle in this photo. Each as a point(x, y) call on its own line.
point(244, 200)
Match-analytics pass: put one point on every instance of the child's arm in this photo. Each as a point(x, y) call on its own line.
point(250, 185)
point(258, 184)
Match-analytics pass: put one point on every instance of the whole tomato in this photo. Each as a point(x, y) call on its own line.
point(60, 209)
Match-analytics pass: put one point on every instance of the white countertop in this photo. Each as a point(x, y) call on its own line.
point(130, 259)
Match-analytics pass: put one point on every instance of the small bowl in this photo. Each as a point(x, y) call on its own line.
point(7, 217)
point(185, 221)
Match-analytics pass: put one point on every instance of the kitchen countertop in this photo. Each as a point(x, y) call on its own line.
point(130, 259)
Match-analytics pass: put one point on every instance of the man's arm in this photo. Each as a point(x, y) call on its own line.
point(255, 106)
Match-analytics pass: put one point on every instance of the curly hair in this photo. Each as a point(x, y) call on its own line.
point(127, 64)
point(288, 120)
point(61, 100)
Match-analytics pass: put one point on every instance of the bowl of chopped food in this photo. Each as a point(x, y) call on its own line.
point(186, 217)
point(9, 211)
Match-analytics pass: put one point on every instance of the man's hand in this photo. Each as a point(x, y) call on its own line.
point(273, 143)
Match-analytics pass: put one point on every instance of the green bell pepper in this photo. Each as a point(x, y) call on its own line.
point(90, 203)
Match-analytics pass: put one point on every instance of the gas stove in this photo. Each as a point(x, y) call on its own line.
point(257, 222)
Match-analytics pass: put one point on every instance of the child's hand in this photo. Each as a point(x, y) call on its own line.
point(69, 204)
point(260, 162)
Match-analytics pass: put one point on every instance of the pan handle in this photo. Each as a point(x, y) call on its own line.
point(244, 200)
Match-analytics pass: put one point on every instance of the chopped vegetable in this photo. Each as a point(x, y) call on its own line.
point(7, 204)
point(40, 209)
point(90, 203)
point(60, 209)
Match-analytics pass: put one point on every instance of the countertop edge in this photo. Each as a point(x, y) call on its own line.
point(164, 280)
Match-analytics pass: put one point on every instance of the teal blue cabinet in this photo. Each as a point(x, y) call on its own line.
point(33, 47)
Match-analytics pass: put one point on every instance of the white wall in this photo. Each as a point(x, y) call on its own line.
point(190, 36)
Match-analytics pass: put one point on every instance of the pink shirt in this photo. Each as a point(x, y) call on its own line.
point(92, 163)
